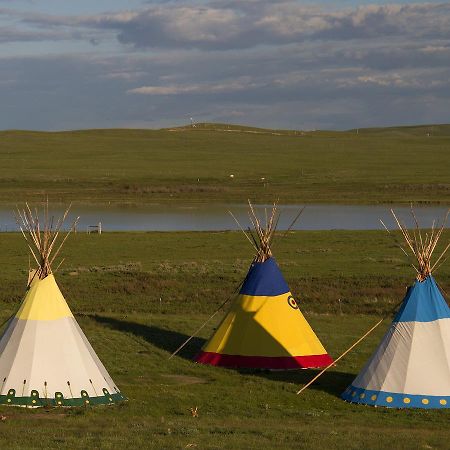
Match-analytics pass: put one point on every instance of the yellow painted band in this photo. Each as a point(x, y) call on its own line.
point(265, 326)
point(253, 303)
point(44, 301)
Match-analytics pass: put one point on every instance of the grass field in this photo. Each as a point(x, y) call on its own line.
point(139, 295)
point(194, 165)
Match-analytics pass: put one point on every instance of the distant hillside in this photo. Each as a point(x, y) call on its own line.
point(219, 163)
point(414, 130)
point(207, 126)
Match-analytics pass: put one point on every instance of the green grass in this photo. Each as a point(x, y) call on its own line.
point(194, 165)
point(114, 283)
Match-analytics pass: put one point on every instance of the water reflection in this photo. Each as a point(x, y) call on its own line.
point(216, 217)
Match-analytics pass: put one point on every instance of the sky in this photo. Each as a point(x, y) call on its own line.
point(289, 64)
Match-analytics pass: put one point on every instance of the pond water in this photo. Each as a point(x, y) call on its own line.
point(216, 217)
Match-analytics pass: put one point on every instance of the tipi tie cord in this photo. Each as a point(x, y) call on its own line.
point(235, 291)
point(340, 357)
point(350, 348)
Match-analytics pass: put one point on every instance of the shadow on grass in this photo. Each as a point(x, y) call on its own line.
point(332, 381)
point(167, 340)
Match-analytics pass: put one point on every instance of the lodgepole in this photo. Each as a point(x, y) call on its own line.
point(340, 357)
point(207, 320)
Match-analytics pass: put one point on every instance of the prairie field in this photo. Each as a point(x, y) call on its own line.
point(138, 296)
point(191, 165)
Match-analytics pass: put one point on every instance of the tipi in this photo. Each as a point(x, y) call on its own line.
point(45, 358)
point(264, 327)
point(411, 366)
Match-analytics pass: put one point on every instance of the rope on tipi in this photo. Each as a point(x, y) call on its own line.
point(422, 247)
point(41, 236)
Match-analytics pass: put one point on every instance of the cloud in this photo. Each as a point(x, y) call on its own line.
point(226, 86)
point(85, 91)
point(8, 35)
point(265, 63)
point(237, 25)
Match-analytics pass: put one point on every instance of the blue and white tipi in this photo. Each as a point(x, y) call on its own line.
point(411, 366)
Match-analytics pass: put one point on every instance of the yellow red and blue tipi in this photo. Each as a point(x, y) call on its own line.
point(264, 327)
point(411, 366)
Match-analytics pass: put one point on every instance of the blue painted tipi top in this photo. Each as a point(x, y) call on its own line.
point(423, 303)
point(264, 279)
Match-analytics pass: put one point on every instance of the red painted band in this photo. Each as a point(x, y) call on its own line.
point(264, 362)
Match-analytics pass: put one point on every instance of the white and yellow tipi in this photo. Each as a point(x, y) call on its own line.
point(45, 358)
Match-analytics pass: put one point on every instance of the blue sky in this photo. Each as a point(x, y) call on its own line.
point(273, 63)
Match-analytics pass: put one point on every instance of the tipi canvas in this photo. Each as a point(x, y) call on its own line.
point(411, 366)
point(264, 327)
point(45, 358)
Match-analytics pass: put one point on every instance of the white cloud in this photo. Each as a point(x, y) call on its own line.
point(232, 25)
point(436, 49)
point(224, 87)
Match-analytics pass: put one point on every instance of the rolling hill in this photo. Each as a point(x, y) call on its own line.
point(227, 163)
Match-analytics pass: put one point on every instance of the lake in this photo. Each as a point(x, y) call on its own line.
point(216, 217)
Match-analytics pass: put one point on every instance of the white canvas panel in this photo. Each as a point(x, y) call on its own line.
point(390, 360)
point(428, 370)
point(90, 359)
point(53, 352)
point(17, 355)
point(412, 358)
